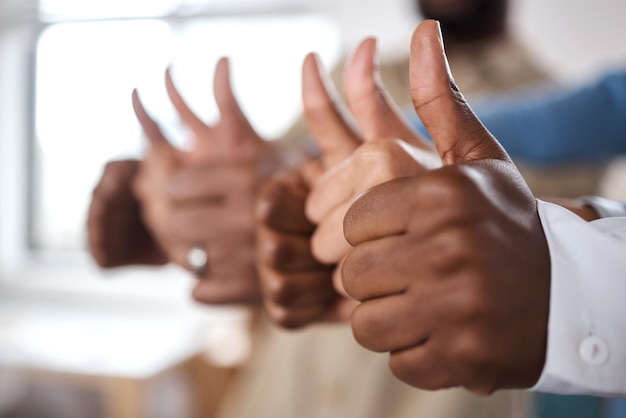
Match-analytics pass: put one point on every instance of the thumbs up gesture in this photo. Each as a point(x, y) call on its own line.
point(451, 265)
point(301, 242)
point(203, 198)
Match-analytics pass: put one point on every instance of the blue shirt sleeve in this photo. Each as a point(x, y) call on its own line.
point(583, 125)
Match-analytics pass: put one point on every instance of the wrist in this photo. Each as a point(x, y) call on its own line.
point(604, 208)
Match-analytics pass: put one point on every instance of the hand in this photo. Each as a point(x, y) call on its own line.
point(232, 139)
point(344, 156)
point(391, 149)
point(297, 288)
point(451, 265)
point(205, 197)
point(116, 233)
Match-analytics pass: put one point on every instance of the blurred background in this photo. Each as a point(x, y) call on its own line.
point(79, 342)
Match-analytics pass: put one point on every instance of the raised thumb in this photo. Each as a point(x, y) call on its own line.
point(456, 131)
point(374, 111)
point(151, 129)
point(328, 121)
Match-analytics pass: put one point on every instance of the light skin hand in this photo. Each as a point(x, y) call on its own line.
point(352, 161)
point(391, 149)
point(452, 265)
point(206, 196)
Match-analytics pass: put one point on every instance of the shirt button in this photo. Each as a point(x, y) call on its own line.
point(594, 350)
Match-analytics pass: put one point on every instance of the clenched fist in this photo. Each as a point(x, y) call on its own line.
point(451, 265)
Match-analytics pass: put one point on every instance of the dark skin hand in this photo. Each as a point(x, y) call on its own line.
point(297, 288)
point(452, 265)
point(117, 235)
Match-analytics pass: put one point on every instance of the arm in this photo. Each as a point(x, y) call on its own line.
point(467, 280)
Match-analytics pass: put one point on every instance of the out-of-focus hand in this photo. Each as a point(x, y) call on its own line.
point(205, 197)
point(297, 288)
point(451, 265)
point(116, 233)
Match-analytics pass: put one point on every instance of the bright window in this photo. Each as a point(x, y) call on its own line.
point(85, 72)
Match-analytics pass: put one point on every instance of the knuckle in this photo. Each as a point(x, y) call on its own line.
point(483, 390)
point(266, 206)
point(349, 274)
point(241, 178)
point(451, 183)
point(317, 106)
point(353, 220)
point(320, 249)
point(403, 372)
point(454, 243)
point(367, 329)
point(379, 153)
point(279, 289)
point(414, 375)
point(470, 351)
point(284, 317)
point(351, 269)
point(275, 251)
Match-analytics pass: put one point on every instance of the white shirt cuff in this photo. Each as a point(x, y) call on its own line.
point(586, 349)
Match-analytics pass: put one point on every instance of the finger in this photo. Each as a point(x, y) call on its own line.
point(231, 116)
point(292, 318)
point(240, 288)
point(337, 281)
point(189, 118)
point(333, 188)
point(373, 163)
point(457, 133)
point(116, 179)
point(422, 366)
point(376, 114)
point(365, 270)
point(328, 243)
point(283, 252)
point(418, 204)
point(200, 223)
point(298, 290)
point(379, 212)
point(391, 323)
point(150, 127)
point(327, 122)
point(280, 205)
point(340, 310)
point(213, 183)
point(111, 211)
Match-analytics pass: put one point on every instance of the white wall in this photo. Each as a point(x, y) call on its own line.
point(574, 39)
